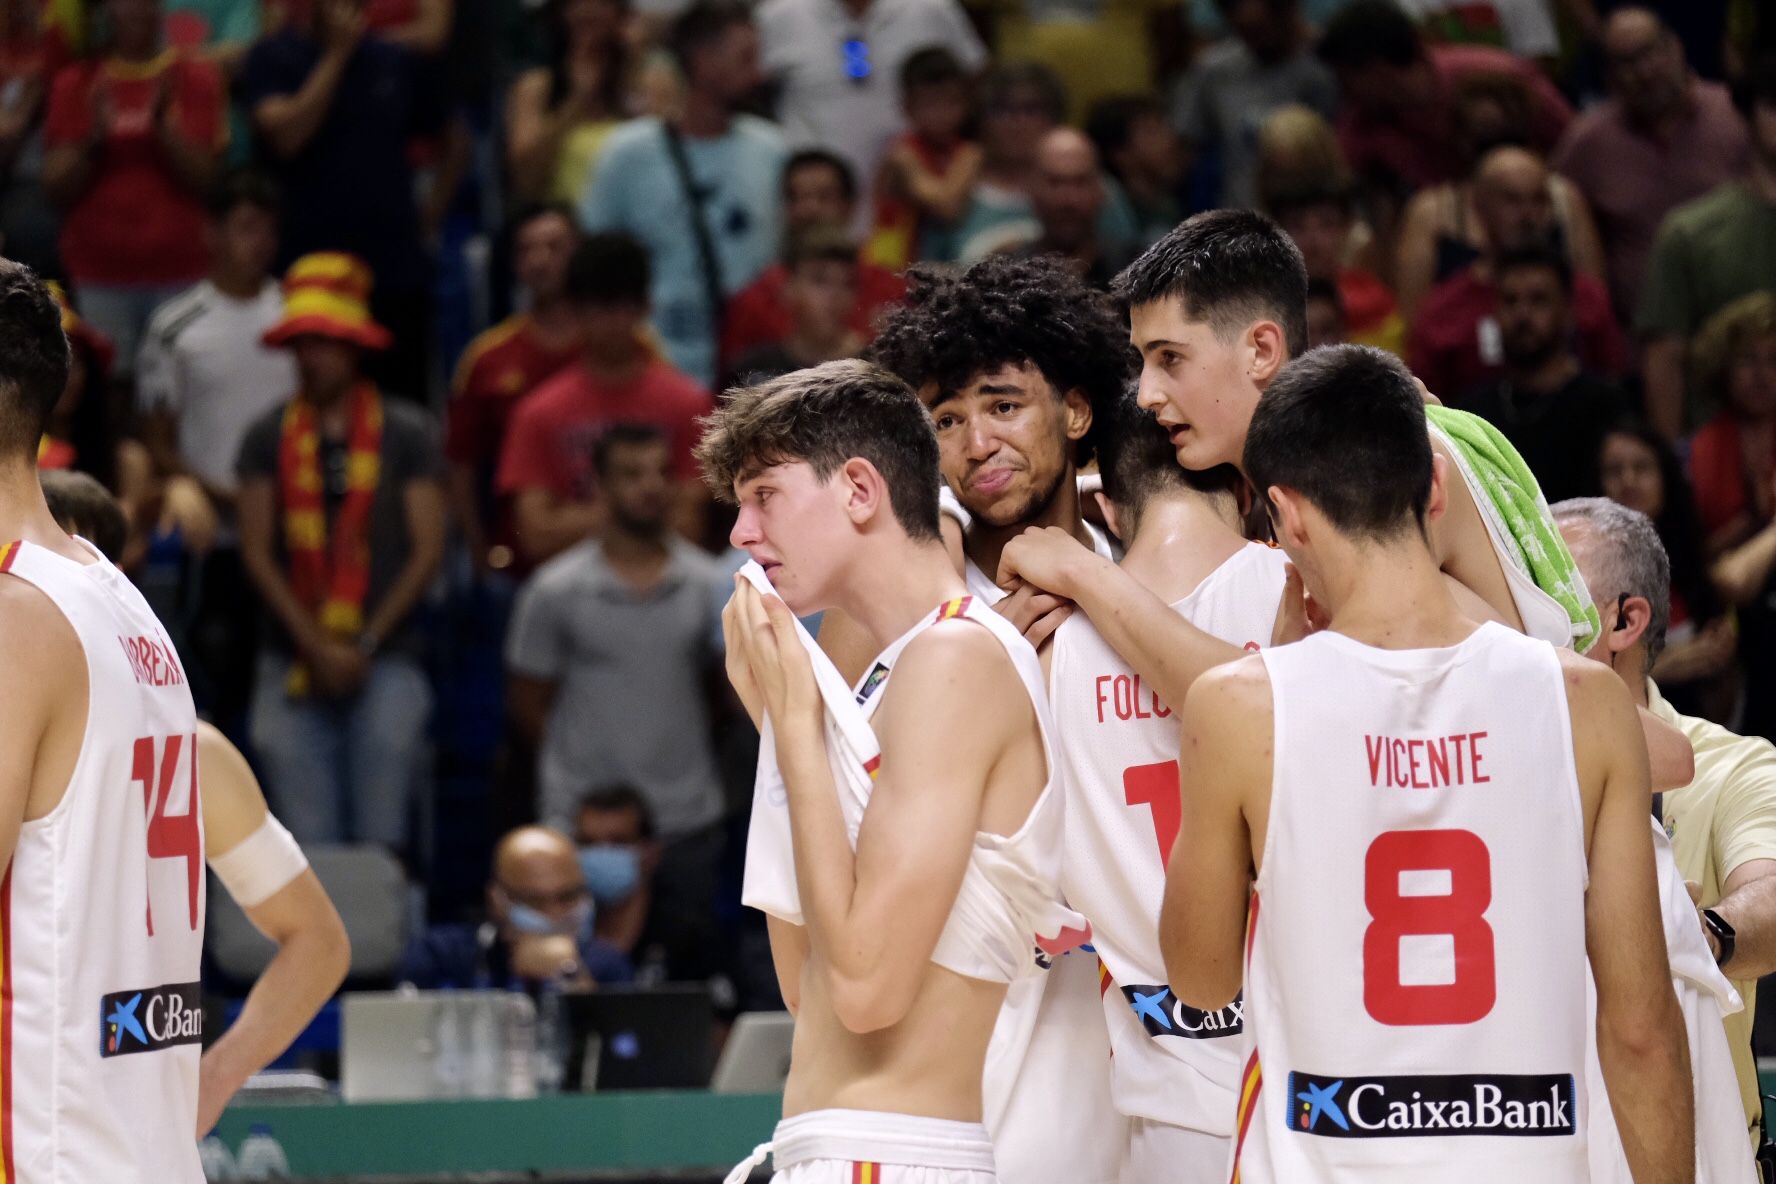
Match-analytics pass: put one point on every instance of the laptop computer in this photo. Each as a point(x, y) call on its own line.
point(755, 1059)
point(640, 1038)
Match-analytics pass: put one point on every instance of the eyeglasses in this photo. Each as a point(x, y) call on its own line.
point(565, 898)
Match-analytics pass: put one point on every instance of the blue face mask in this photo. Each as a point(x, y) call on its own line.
point(576, 924)
point(612, 872)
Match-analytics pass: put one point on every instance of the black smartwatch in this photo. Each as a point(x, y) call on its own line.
point(1723, 935)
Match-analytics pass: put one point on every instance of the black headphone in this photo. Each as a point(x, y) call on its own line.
point(1621, 613)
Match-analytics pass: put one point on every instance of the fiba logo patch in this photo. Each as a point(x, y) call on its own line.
point(1457, 1104)
point(869, 684)
point(149, 1019)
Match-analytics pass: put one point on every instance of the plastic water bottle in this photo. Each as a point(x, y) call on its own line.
point(261, 1156)
point(483, 1024)
point(218, 1164)
point(449, 1069)
point(551, 1038)
point(518, 1045)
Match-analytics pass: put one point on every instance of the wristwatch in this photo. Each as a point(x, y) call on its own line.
point(1723, 935)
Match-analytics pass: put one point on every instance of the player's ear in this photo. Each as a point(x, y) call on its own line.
point(1269, 350)
point(1286, 516)
point(865, 492)
point(1079, 413)
point(1112, 519)
point(1628, 623)
point(1439, 502)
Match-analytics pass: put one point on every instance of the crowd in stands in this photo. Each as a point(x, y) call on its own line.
point(394, 321)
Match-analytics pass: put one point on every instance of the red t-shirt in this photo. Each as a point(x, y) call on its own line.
point(499, 368)
point(1453, 346)
point(758, 315)
point(549, 444)
point(136, 223)
point(1422, 149)
point(1717, 471)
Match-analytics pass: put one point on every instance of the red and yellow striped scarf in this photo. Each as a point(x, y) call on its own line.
point(330, 576)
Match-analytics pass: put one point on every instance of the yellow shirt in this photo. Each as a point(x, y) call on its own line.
point(1720, 821)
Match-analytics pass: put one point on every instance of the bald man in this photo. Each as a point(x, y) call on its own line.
point(538, 926)
point(1455, 344)
point(1068, 196)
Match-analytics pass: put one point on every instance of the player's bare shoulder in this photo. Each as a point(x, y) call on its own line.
point(1238, 690)
point(1606, 730)
point(39, 640)
point(957, 660)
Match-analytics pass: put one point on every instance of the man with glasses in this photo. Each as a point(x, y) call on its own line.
point(538, 926)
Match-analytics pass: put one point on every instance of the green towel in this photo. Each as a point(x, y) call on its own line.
point(1509, 498)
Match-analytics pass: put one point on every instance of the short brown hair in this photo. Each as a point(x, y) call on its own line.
point(1729, 333)
point(80, 505)
point(825, 416)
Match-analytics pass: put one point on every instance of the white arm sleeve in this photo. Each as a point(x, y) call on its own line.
point(261, 865)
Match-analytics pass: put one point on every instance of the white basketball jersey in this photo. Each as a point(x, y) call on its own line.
point(1119, 750)
point(1415, 982)
point(1046, 1087)
point(102, 913)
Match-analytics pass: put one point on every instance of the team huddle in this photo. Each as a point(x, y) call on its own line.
point(1337, 855)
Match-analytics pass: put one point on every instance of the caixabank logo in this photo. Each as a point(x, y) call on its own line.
point(1457, 1104)
point(150, 1018)
point(1164, 1014)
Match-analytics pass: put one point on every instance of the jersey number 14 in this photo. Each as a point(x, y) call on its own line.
point(170, 836)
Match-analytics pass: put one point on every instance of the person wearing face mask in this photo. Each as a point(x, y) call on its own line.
point(618, 857)
point(540, 925)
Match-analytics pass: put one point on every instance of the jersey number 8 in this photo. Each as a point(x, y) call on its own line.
point(1459, 859)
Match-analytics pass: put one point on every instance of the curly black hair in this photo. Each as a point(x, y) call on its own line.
point(1008, 311)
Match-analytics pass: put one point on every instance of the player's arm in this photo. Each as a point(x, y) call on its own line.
point(874, 915)
point(46, 681)
point(789, 954)
point(1641, 1042)
point(1168, 652)
point(1223, 763)
point(260, 866)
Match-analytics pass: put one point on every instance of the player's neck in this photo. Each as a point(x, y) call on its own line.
point(984, 542)
point(25, 515)
point(895, 586)
point(1391, 596)
point(1179, 540)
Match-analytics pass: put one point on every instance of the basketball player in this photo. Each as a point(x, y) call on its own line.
point(1216, 308)
point(1014, 358)
point(908, 940)
point(1412, 830)
point(1175, 1068)
point(101, 835)
point(251, 853)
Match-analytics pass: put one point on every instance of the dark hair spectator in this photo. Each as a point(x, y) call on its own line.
point(558, 115)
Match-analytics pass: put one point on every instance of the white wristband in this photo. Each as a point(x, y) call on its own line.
point(260, 865)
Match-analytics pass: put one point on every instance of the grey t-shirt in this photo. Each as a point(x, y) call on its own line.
point(632, 670)
point(1225, 98)
point(410, 452)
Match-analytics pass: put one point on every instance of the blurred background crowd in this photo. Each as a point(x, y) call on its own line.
point(394, 319)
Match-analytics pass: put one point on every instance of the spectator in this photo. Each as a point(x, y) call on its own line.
point(558, 116)
point(336, 109)
point(700, 189)
point(1441, 231)
point(1397, 96)
point(1326, 319)
point(1322, 221)
point(1453, 343)
point(612, 649)
point(83, 507)
point(1145, 159)
point(1709, 253)
point(1236, 83)
point(619, 856)
point(1524, 27)
point(205, 377)
point(342, 520)
point(1637, 468)
point(134, 138)
point(32, 50)
point(1545, 402)
point(818, 192)
point(502, 367)
point(1723, 824)
point(821, 265)
point(82, 430)
point(1733, 464)
point(837, 67)
point(1068, 198)
point(546, 465)
point(422, 26)
point(539, 927)
point(1019, 105)
point(931, 169)
point(1663, 138)
point(220, 31)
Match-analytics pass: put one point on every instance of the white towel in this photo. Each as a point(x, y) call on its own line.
point(769, 884)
